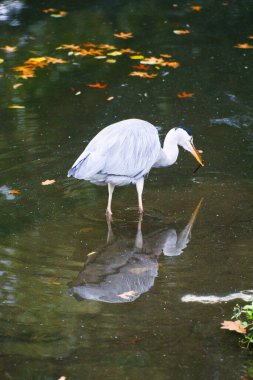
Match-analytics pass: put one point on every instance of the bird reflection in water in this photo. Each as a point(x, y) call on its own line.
point(119, 272)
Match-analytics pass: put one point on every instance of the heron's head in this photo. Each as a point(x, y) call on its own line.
point(185, 139)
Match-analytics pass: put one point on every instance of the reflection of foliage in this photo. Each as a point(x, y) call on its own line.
point(245, 316)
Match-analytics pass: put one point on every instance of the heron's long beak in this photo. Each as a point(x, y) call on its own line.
point(196, 154)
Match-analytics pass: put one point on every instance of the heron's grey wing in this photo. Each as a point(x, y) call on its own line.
point(132, 150)
point(125, 149)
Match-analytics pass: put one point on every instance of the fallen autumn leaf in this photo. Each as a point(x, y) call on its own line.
point(243, 46)
point(48, 182)
point(234, 326)
point(185, 95)
point(123, 35)
point(141, 74)
point(97, 85)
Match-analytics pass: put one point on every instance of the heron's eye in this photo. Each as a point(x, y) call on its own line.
point(191, 140)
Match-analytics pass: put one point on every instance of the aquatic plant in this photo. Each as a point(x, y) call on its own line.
point(244, 314)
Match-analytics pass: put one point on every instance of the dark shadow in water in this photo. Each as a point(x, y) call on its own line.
point(122, 270)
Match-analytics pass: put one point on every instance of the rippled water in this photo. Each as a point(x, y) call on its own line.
point(133, 299)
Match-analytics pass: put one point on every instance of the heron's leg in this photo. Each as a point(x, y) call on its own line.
point(139, 188)
point(109, 204)
point(138, 238)
point(110, 236)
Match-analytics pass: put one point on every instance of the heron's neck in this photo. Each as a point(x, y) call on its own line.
point(169, 152)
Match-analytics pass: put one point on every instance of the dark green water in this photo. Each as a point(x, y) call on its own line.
point(119, 313)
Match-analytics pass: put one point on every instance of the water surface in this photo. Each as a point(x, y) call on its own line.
point(80, 302)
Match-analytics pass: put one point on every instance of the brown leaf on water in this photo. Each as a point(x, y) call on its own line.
point(30, 65)
point(181, 31)
point(141, 74)
point(244, 46)
point(107, 47)
point(123, 35)
point(172, 64)
point(129, 51)
point(134, 340)
point(185, 95)
point(141, 67)
point(49, 10)
point(196, 8)
point(89, 44)
point(127, 295)
point(165, 55)
point(97, 85)
point(69, 47)
point(55, 60)
point(234, 326)
point(9, 49)
point(48, 182)
point(90, 51)
point(250, 37)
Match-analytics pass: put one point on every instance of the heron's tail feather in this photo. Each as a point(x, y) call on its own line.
point(87, 168)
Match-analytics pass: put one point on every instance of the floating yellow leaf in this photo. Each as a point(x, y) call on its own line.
point(182, 31)
point(244, 46)
point(250, 37)
point(16, 106)
point(110, 98)
point(1, 60)
point(91, 253)
point(111, 60)
point(48, 182)
point(115, 53)
point(124, 35)
point(60, 14)
point(136, 56)
point(142, 74)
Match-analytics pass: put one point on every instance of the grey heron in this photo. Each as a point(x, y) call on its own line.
point(124, 152)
